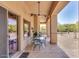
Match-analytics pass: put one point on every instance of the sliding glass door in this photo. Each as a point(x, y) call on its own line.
point(12, 34)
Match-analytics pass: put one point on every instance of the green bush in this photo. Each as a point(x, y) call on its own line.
point(68, 27)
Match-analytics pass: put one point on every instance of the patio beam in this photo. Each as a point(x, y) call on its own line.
point(52, 7)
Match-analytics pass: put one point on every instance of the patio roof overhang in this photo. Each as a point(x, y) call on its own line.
point(56, 7)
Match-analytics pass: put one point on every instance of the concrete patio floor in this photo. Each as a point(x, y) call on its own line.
point(67, 46)
point(49, 51)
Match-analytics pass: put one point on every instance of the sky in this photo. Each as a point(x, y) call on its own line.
point(11, 21)
point(69, 14)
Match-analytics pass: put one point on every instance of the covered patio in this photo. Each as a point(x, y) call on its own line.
point(21, 19)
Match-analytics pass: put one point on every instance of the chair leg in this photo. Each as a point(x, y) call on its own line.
point(34, 46)
point(39, 47)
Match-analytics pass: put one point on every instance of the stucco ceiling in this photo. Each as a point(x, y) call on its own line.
point(44, 8)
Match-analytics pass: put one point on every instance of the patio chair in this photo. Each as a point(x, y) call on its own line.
point(37, 43)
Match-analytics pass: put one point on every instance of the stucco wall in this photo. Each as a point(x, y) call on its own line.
point(48, 27)
point(21, 10)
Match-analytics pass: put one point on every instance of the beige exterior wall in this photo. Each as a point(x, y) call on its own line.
point(18, 8)
point(32, 25)
point(48, 27)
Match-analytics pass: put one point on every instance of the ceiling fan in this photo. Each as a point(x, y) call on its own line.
point(39, 11)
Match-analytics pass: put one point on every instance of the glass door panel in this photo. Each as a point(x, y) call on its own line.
point(12, 35)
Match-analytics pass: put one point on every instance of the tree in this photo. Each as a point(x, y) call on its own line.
point(68, 27)
point(12, 28)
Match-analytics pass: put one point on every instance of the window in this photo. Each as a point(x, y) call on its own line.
point(26, 29)
point(43, 28)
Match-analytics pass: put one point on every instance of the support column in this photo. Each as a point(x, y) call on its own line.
point(20, 33)
point(47, 28)
point(53, 29)
point(36, 24)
